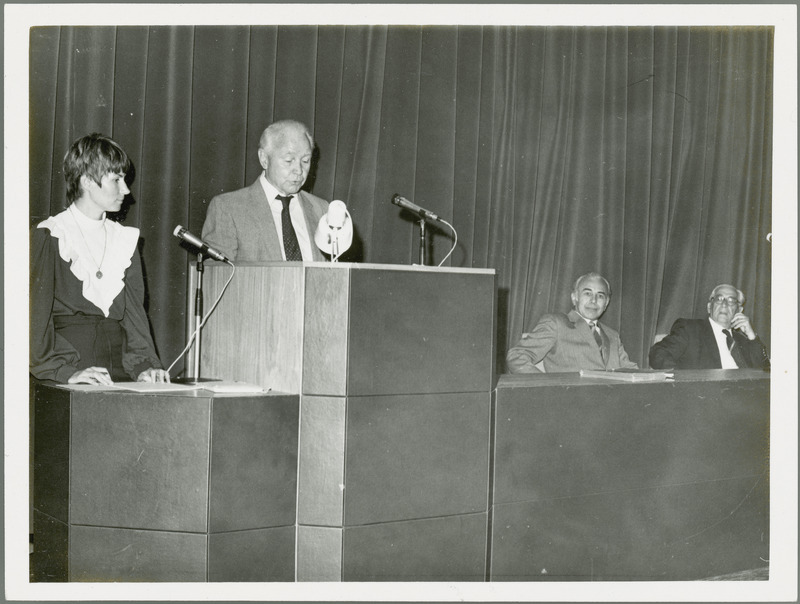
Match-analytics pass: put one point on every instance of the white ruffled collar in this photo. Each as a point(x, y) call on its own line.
point(74, 230)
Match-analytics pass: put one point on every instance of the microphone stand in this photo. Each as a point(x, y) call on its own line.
point(422, 241)
point(198, 315)
point(335, 247)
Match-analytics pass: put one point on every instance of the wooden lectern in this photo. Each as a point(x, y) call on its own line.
point(394, 366)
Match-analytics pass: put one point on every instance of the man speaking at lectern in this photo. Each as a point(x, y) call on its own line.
point(272, 219)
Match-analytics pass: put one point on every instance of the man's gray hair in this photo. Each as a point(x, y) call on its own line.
point(592, 275)
point(275, 133)
point(739, 293)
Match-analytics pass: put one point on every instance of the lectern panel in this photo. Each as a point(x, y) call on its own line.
point(257, 555)
point(597, 480)
point(321, 471)
point(415, 456)
point(256, 332)
point(148, 478)
point(559, 441)
point(326, 329)
point(51, 452)
point(154, 453)
point(253, 462)
point(319, 553)
point(434, 549)
point(49, 561)
point(420, 332)
point(109, 554)
point(675, 532)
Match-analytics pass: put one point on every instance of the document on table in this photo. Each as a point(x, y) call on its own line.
point(223, 386)
point(217, 386)
point(630, 375)
point(154, 386)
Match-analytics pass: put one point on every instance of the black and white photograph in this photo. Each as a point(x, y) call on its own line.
point(402, 302)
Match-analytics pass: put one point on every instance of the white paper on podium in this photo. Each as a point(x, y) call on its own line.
point(223, 386)
point(153, 386)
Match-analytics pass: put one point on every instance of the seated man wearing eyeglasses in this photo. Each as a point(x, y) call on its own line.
point(725, 340)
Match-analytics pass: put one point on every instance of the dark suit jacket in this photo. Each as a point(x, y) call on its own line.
point(691, 345)
point(240, 224)
point(565, 343)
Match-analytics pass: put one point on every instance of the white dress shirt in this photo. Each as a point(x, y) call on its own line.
point(295, 213)
point(722, 343)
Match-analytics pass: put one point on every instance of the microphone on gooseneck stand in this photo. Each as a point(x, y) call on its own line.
point(424, 215)
point(185, 235)
point(205, 250)
point(404, 203)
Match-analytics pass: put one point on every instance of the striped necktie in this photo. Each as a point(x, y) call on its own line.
point(597, 337)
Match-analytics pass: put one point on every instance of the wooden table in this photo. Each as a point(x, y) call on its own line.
point(599, 480)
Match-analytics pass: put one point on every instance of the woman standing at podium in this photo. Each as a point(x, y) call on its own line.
point(88, 323)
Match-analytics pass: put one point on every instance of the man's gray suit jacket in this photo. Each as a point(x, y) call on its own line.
point(564, 343)
point(240, 224)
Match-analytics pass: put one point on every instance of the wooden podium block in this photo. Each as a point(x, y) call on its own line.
point(352, 329)
point(253, 469)
point(256, 333)
point(112, 554)
point(395, 367)
point(449, 548)
point(411, 457)
point(408, 332)
point(139, 461)
point(321, 471)
point(186, 486)
point(319, 553)
point(252, 555)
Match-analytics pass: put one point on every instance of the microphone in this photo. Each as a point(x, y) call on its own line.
point(401, 201)
point(337, 214)
point(334, 233)
point(194, 240)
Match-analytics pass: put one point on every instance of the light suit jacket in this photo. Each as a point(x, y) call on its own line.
point(565, 343)
point(240, 224)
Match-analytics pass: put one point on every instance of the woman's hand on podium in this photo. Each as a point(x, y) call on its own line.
point(91, 375)
point(153, 375)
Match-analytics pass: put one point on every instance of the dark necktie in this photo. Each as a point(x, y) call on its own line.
point(732, 348)
point(597, 337)
point(290, 244)
point(728, 338)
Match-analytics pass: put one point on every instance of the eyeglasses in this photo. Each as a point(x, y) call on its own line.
point(729, 300)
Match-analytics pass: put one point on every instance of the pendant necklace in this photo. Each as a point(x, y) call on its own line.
point(99, 273)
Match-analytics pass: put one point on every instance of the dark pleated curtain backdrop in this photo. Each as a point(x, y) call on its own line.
point(643, 153)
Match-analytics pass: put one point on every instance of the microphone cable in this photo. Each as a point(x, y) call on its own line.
point(205, 318)
point(455, 241)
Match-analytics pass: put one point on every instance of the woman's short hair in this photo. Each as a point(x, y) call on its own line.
point(94, 155)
